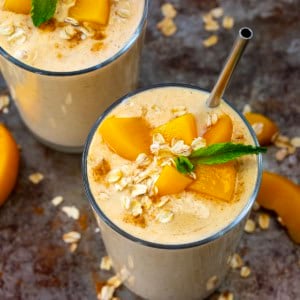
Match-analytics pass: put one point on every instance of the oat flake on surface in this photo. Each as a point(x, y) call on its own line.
point(250, 226)
point(211, 41)
point(167, 27)
point(36, 178)
point(57, 200)
point(106, 263)
point(71, 212)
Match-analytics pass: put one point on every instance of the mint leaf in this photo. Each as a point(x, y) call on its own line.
point(222, 153)
point(42, 11)
point(215, 154)
point(184, 165)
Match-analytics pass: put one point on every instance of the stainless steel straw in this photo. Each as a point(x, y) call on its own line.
point(244, 36)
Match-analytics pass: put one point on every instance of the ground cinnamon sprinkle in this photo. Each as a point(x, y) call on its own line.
point(97, 47)
point(137, 221)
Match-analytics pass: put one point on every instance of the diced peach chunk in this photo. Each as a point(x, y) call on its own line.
point(216, 181)
point(95, 11)
point(182, 128)
point(266, 127)
point(128, 137)
point(220, 132)
point(281, 195)
point(18, 6)
point(170, 181)
point(9, 163)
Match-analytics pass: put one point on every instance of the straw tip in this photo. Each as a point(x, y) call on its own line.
point(246, 33)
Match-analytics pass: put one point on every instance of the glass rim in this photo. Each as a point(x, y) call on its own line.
point(140, 241)
point(106, 62)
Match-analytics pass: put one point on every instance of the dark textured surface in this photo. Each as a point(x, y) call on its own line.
point(34, 261)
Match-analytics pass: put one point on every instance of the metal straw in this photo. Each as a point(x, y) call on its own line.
point(245, 35)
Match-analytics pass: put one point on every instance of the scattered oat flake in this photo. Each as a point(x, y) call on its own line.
point(167, 27)
point(228, 22)
point(165, 216)
point(71, 237)
point(212, 26)
point(247, 108)
point(217, 12)
point(97, 230)
point(168, 10)
point(106, 263)
point(245, 272)
point(264, 221)
point(250, 226)
point(114, 176)
point(281, 154)
point(57, 200)
point(236, 261)
point(211, 283)
point(114, 281)
point(258, 128)
point(73, 247)
point(106, 293)
point(71, 212)
point(295, 142)
point(226, 296)
point(36, 178)
point(211, 41)
point(4, 101)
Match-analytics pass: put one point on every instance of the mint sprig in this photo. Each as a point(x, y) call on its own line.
point(215, 154)
point(42, 11)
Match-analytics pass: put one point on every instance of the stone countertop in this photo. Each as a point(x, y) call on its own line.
point(34, 261)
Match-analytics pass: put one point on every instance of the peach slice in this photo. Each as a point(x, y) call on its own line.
point(217, 181)
point(269, 128)
point(281, 195)
point(18, 6)
point(95, 11)
point(182, 128)
point(9, 163)
point(170, 181)
point(128, 137)
point(220, 132)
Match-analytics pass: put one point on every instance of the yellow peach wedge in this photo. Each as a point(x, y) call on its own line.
point(263, 126)
point(281, 195)
point(220, 132)
point(170, 181)
point(182, 128)
point(9, 163)
point(18, 6)
point(95, 11)
point(216, 181)
point(128, 137)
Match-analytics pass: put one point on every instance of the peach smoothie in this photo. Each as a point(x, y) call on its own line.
point(67, 71)
point(129, 184)
point(170, 235)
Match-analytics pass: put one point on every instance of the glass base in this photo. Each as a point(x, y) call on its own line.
point(60, 148)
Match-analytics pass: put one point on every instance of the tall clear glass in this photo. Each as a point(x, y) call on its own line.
point(162, 271)
point(59, 108)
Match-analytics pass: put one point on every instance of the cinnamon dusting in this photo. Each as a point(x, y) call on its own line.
point(137, 221)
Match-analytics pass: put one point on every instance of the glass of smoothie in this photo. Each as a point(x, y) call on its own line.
point(172, 234)
point(66, 72)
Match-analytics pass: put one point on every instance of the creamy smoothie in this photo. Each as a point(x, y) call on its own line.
point(64, 44)
point(177, 218)
point(170, 235)
point(66, 72)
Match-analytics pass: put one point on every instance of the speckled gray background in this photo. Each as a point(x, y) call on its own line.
point(34, 261)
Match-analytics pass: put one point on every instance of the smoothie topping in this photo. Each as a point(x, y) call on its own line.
point(176, 160)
